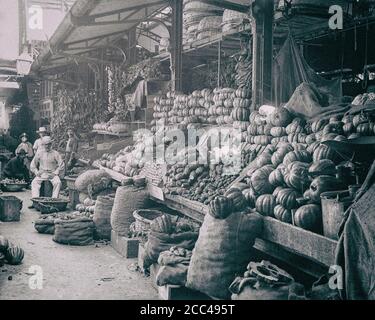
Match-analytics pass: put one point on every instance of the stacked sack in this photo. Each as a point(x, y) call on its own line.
point(193, 12)
point(233, 19)
point(209, 26)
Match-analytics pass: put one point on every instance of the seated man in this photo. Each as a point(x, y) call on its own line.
point(16, 168)
point(46, 165)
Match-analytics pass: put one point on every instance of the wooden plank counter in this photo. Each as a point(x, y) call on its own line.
point(309, 252)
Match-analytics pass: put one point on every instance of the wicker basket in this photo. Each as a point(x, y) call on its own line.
point(143, 219)
point(13, 187)
point(49, 205)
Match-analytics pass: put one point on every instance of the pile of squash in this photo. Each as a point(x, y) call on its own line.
point(288, 177)
point(9, 252)
point(224, 106)
point(130, 160)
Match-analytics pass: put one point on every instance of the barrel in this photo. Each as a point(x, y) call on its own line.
point(102, 217)
point(334, 205)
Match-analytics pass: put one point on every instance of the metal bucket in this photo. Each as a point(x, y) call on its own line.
point(334, 205)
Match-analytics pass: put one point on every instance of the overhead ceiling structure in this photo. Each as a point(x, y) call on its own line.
point(92, 25)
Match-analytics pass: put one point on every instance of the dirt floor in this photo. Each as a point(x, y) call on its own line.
point(92, 272)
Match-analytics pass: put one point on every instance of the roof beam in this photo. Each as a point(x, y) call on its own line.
point(228, 5)
point(137, 7)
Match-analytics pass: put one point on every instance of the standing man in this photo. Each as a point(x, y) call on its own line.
point(71, 150)
point(47, 166)
point(16, 168)
point(38, 143)
point(28, 147)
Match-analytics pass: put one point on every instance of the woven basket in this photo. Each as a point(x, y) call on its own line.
point(143, 219)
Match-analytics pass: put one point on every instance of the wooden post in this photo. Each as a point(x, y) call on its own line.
point(176, 45)
point(262, 30)
point(132, 46)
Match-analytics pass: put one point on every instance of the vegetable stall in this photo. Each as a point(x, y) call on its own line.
point(283, 184)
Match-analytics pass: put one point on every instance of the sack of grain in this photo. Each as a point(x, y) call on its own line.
point(127, 200)
point(222, 251)
point(75, 232)
point(102, 217)
point(89, 177)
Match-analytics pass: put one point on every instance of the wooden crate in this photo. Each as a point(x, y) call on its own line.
point(126, 247)
point(174, 292)
point(10, 208)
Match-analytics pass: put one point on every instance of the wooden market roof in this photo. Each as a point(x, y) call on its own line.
point(91, 25)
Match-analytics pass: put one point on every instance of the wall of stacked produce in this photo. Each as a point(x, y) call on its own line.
point(79, 109)
point(224, 106)
point(289, 168)
point(194, 12)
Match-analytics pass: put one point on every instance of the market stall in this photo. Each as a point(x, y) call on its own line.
point(230, 150)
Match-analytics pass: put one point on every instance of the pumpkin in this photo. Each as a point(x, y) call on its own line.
point(281, 118)
point(318, 125)
point(14, 255)
point(312, 147)
point(348, 128)
point(276, 178)
point(282, 214)
point(162, 224)
point(334, 127)
point(365, 129)
point(288, 198)
point(239, 185)
point(264, 159)
point(237, 198)
point(302, 156)
point(328, 137)
point(324, 152)
point(262, 140)
point(221, 207)
point(4, 244)
point(280, 154)
point(242, 103)
point(359, 119)
point(278, 132)
point(265, 205)
point(240, 114)
point(250, 197)
point(267, 129)
point(259, 180)
point(322, 167)
point(297, 177)
point(309, 217)
point(277, 190)
point(243, 93)
point(322, 184)
point(310, 139)
point(294, 128)
point(252, 129)
point(340, 138)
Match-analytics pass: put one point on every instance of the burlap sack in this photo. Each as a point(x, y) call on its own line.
point(222, 252)
point(76, 232)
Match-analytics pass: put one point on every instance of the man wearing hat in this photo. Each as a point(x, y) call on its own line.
point(16, 168)
point(38, 142)
point(47, 166)
point(28, 147)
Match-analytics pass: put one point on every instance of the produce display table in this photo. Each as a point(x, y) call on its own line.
point(306, 251)
point(108, 133)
